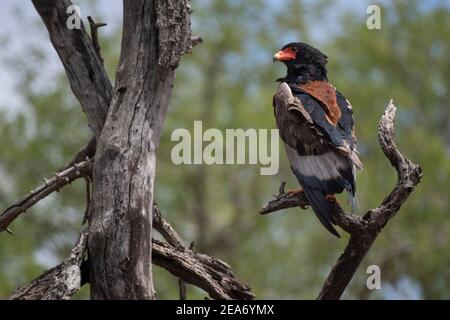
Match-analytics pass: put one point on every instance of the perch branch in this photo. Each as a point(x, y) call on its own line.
point(409, 176)
point(285, 200)
point(348, 222)
point(363, 231)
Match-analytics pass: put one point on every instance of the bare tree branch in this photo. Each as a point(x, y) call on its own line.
point(57, 283)
point(67, 176)
point(348, 222)
point(363, 231)
point(182, 289)
point(88, 152)
point(165, 229)
point(212, 275)
point(203, 271)
point(84, 69)
point(196, 40)
point(94, 35)
point(55, 183)
point(285, 200)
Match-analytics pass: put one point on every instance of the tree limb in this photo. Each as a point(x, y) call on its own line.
point(55, 183)
point(84, 68)
point(57, 283)
point(285, 200)
point(363, 231)
point(166, 230)
point(212, 275)
point(196, 40)
point(182, 289)
point(88, 152)
point(94, 35)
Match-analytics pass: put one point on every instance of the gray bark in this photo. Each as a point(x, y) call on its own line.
point(212, 275)
point(57, 283)
point(155, 35)
point(84, 69)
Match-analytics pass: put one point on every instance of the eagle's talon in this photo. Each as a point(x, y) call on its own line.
point(331, 198)
point(294, 192)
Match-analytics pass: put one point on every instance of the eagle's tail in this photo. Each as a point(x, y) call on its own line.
point(352, 192)
point(322, 208)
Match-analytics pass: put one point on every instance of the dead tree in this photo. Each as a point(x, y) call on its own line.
point(126, 120)
point(363, 231)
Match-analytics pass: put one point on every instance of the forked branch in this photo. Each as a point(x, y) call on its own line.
point(363, 231)
point(201, 270)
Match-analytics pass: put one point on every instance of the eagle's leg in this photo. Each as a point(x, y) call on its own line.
point(294, 191)
point(331, 198)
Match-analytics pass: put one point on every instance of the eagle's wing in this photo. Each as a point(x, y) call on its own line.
point(318, 152)
point(339, 130)
point(346, 126)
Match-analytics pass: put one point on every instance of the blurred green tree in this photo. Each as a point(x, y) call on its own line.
point(228, 82)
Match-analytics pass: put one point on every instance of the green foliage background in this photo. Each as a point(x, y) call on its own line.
point(228, 82)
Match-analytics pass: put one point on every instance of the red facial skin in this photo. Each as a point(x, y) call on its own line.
point(285, 55)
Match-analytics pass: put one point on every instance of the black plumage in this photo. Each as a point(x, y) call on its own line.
point(317, 129)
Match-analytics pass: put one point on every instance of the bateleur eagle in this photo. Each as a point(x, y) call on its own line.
point(316, 122)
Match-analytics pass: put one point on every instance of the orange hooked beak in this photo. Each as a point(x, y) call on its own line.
point(285, 55)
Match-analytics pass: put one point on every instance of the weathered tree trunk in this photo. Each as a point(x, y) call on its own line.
point(155, 35)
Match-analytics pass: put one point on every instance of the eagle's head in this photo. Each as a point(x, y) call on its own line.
point(303, 62)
